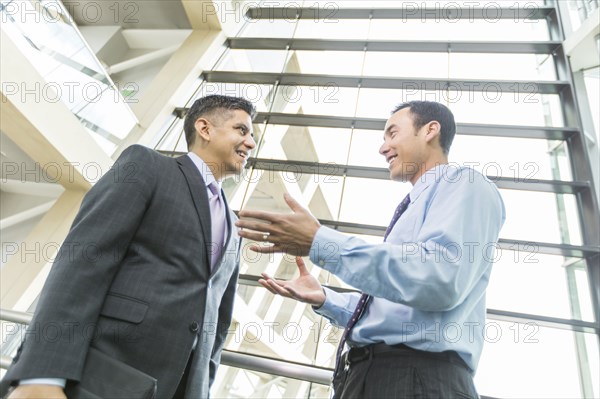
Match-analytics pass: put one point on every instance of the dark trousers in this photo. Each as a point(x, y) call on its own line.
point(382, 371)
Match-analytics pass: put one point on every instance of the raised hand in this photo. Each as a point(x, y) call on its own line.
point(305, 288)
point(291, 233)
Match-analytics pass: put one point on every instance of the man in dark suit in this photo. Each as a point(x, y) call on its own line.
point(148, 271)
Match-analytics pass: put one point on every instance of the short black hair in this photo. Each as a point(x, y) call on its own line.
point(208, 105)
point(424, 112)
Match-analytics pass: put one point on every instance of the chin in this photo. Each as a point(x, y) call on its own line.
point(235, 168)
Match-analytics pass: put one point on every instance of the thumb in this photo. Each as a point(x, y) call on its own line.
point(301, 266)
point(292, 203)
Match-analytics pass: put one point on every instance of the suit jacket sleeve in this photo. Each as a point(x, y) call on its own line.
point(59, 336)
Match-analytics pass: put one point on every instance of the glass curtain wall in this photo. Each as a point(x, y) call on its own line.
point(324, 77)
point(45, 32)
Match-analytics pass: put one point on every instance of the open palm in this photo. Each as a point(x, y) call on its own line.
point(305, 288)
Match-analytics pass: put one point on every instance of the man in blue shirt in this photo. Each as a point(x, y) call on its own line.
point(417, 330)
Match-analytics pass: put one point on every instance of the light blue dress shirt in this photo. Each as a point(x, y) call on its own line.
point(429, 278)
point(208, 178)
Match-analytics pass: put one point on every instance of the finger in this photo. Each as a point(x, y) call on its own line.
point(301, 266)
point(283, 291)
point(253, 225)
point(266, 276)
point(292, 203)
point(271, 249)
point(271, 280)
point(265, 284)
point(261, 215)
point(255, 236)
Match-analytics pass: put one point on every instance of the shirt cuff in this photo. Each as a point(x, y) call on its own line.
point(336, 307)
point(61, 382)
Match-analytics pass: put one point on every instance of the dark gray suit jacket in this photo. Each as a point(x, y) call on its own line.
point(133, 279)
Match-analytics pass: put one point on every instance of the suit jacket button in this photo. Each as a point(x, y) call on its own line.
point(194, 326)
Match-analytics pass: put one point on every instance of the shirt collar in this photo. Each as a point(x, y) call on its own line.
point(430, 176)
point(204, 170)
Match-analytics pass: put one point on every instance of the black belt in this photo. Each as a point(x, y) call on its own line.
point(359, 354)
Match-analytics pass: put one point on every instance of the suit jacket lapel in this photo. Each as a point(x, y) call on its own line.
point(197, 188)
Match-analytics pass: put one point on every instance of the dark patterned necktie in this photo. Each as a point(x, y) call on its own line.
point(365, 298)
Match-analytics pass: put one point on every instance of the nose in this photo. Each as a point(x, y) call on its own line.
point(383, 149)
point(250, 143)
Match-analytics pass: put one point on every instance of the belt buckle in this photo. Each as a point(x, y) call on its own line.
point(358, 354)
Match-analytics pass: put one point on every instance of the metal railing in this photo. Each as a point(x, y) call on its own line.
point(298, 371)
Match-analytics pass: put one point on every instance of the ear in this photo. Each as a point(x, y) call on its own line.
point(432, 131)
point(201, 126)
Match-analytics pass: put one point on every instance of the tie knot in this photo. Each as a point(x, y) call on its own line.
point(214, 188)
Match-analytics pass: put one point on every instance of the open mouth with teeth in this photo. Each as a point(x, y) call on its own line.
point(242, 154)
point(391, 159)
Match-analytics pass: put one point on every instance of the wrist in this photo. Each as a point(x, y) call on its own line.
point(320, 300)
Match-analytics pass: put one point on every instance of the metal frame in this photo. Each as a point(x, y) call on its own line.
point(467, 129)
point(266, 43)
point(468, 85)
point(333, 169)
point(331, 12)
point(589, 213)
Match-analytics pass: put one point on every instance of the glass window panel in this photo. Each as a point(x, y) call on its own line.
point(258, 94)
point(281, 266)
point(513, 272)
point(303, 143)
point(534, 216)
point(502, 108)
point(108, 112)
point(591, 342)
point(174, 140)
point(73, 74)
point(166, 137)
point(273, 326)
point(330, 62)
point(490, 107)
point(317, 99)
point(364, 150)
point(501, 66)
point(232, 382)
point(329, 339)
point(586, 310)
point(331, 28)
point(509, 157)
point(264, 189)
point(528, 361)
point(381, 197)
point(572, 229)
point(467, 30)
point(253, 60)
point(406, 64)
point(269, 28)
point(309, 62)
point(591, 77)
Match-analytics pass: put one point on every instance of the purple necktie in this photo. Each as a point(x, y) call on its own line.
point(364, 300)
point(218, 225)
